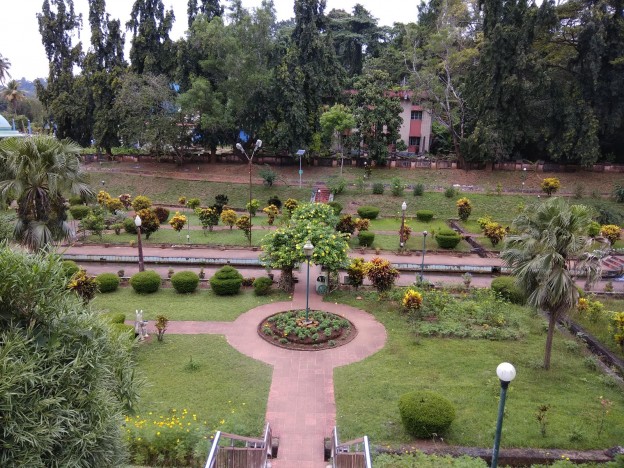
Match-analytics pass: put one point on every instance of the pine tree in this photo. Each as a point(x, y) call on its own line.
point(208, 8)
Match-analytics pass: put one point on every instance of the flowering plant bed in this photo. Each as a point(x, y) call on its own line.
point(322, 330)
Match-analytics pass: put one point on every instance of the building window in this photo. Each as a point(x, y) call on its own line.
point(416, 115)
point(414, 141)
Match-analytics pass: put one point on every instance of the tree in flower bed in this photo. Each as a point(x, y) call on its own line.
point(141, 202)
point(149, 222)
point(290, 329)
point(177, 439)
point(161, 213)
point(356, 272)
point(178, 222)
point(226, 281)
point(381, 274)
point(611, 232)
point(208, 217)
point(464, 208)
point(495, 232)
point(550, 185)
point(271, 211)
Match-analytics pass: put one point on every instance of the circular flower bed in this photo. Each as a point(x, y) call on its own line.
point(322, 330)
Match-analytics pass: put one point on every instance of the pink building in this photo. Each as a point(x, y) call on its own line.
point(416, 128)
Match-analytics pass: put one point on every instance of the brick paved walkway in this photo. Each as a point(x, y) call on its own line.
point(301, 407)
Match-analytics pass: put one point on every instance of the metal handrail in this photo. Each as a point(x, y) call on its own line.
point(212, 456)
point(265, 443)
point(361, 447)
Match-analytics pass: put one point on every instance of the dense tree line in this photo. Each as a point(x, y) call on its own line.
point(504, 79)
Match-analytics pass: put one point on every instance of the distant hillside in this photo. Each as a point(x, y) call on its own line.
point(28, 87)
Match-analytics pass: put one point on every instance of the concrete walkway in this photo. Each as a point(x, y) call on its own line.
point(301, 407)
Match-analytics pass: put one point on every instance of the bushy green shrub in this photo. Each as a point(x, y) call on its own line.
point(336, 206)
point(507, 288)
point(366, 238)
point(145, 282)
point(425, 413)
point(419, 190)
point(398, 187)
point(162, 214)
point(447, 239)
point(185, 281)
point(378, 188)
point(424, 215)
point(368, 212)
point(107, 282)
point(116, 317)
point(79, 212)
point(75, 200)
point(274, 200)
point(420, 460)
point(123, 329)
point(336, 185)
point(226, 281)
point(69, 268)
point(262, 286)
point(450, 192)
point(129, 226)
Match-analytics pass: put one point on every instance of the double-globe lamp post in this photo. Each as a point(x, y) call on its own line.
point(402, 232)
point(239, 147)
point(137, 223)
point(506, 373)
point(308, 250)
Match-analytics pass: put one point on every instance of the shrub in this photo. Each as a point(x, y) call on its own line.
point(114, 204)
point(103, 197)
point(594, 229)
point(93, 222)
point(464, 208)
point(506, 287)
point(447, 238)
point(75, 200)
point(424, 215)
point(107, 282)
point(398, 187)
point(336, 206)
point(274, 200)
point(185, 281)
point(271, 211)
point(368, 212)
point(425, 413)
point(226, 281)
point(123, 329)
point(268, 175)
point(208, 217)
point(129, 226)
point(70, 268)
point(145, 282)
point(550, 185)
point(336, 185)
point(611, 232)
point(346, 224)
point(419, 190)
point(141, 203)
point(362, 224)
point(618, 192)
point(381, 274)
point(495, 232)
point(79, 212)
point(126, 200)
point(412, 300)
point(177, 222)
point(290, 205)
point(356, 272)
point(378, 188)
point(617, 329)
point(366, 238)
point(450, 192)
point(193, 203)
point(262, 286)
point(116, 318)
point(83, 285)
point(149, 222)
point(161, 213)
point(253, 206)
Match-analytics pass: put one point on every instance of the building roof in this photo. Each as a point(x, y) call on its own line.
point(6, 131)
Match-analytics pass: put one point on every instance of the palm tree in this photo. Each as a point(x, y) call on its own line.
point(4, 68)
point(13, 94)
point(37, 172)
point(549, 241)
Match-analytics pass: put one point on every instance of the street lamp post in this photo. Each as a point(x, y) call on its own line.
point(402, 232)
point(239, 147)
point(506, 373)
point(422, 263)
point(308, 250)
point(137, 223)
point(524, 174)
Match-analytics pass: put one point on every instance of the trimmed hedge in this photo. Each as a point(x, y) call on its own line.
point(129, 226)
point(185, 281)
point(145, 282)
point(424, 215)
point(366, 238)
point(425, 413)
point(69, 268)
point(107, 282)
point(368, 212)
point(447, 238)
point(79, 212)
point(226, 281)
point(507, 288)
point(262, 286)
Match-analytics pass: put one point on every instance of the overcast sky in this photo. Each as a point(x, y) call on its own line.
point(20, 41)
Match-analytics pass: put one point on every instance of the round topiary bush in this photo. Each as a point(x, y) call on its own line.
point(161, 213)
point(70, 268)
point(262, 285)
point(425, 413)
point(129, 226)
point(336, 206)
point(424, 215)
point(447, 239)
point(107, 282)
point(185, 281)
point(145, 282)
point(79, 212)
point(366, 238)
point(378, 188)
point(507, 288)
point(226, 281)
point(368, 212)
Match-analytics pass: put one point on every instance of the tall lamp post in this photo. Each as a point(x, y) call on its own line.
point(239, 147)
point(137, 223)
point(422, 263)
point(308, 250)
point(402, 231)
point(524, 174)
point(506, 373)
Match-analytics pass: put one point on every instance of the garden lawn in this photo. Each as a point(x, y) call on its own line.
point(225, 388)
point(203, 304)
point(233, 237)
point(414, 243)
point(463, 371)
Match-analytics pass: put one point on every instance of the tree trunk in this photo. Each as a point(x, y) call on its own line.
point(552, 322)
point(286, 282)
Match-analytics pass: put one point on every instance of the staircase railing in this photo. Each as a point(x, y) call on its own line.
point(352, 454)
point(234, 451)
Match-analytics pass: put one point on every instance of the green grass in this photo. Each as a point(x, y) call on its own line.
point(225, 386)
point(394, 224)
point(600, 328)
point(234, 237)
point(203, 304)
point(414, 243)
point(464, 372)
